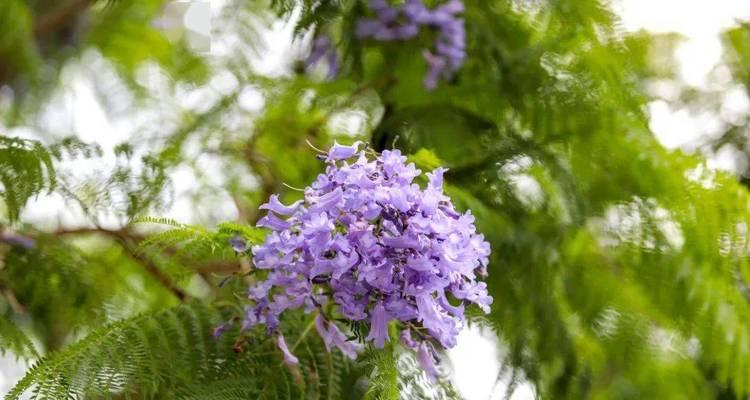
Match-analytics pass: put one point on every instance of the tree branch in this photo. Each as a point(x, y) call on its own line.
point(115, 233)
point(154, 271)
point(125, 238)
point(224, 268)
point(12, 300)
point(58, 18)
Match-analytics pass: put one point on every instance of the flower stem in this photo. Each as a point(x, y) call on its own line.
point(307, 330)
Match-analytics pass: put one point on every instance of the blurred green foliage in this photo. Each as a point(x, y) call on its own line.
point(619, 269)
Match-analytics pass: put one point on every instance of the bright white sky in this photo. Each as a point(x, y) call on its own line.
point(475, 358)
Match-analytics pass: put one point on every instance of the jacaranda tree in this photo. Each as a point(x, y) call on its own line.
point(420, 166)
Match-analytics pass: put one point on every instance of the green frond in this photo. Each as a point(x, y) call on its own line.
point(173, 353)
point(73, 147)
point(384, 376)
point(393, 373)
point(157, 220)
point(144, 356)
point(26, 170)
point(227, 389)
point(194, 241)
point(80, 290)
point(252, 234)
point(69, 292)
point(15, 341)
point(197, 241)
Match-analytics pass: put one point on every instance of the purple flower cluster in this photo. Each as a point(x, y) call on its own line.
point(404, 22)
point(369, 246)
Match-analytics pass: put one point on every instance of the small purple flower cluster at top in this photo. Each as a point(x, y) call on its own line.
point(369, 245)
point(405, 21)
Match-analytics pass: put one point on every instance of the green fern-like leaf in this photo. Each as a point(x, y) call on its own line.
point(394, 374)
point(157, 220)
point(25, 170)
point(384, 376)
point(172, 354)
point(14, 340)
point(73, 292)
point(196, 241)
point(148, 355)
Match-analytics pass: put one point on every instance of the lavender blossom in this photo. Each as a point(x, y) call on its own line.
point(332, 336)
point(221, 329)
point(289, 358)
point(239, 245)
point(340, 152)
point(322, 48)
point(407, 340)
point(404, 22)
point(379, 326)
point(17, 240)
point(426, 359)
point(369, 246)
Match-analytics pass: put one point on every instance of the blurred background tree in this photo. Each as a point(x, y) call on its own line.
point(619, 268)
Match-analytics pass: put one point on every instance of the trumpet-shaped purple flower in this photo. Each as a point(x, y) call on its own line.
point(332, 336)
point(369, 246)
point(277, 207)
point(379, 326)
point(404, 22)
point(221, 329)
point(426, 358)
point(289, 358)
point(341, 152)
point(239, 244)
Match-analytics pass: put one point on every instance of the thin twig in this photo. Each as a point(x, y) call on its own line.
point(304, 333)
point(124, 237)
point(292, 187)
point(154, 271)
point(315, 148)
point(12, 300)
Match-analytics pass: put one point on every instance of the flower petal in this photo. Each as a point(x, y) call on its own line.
point(289, 358)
